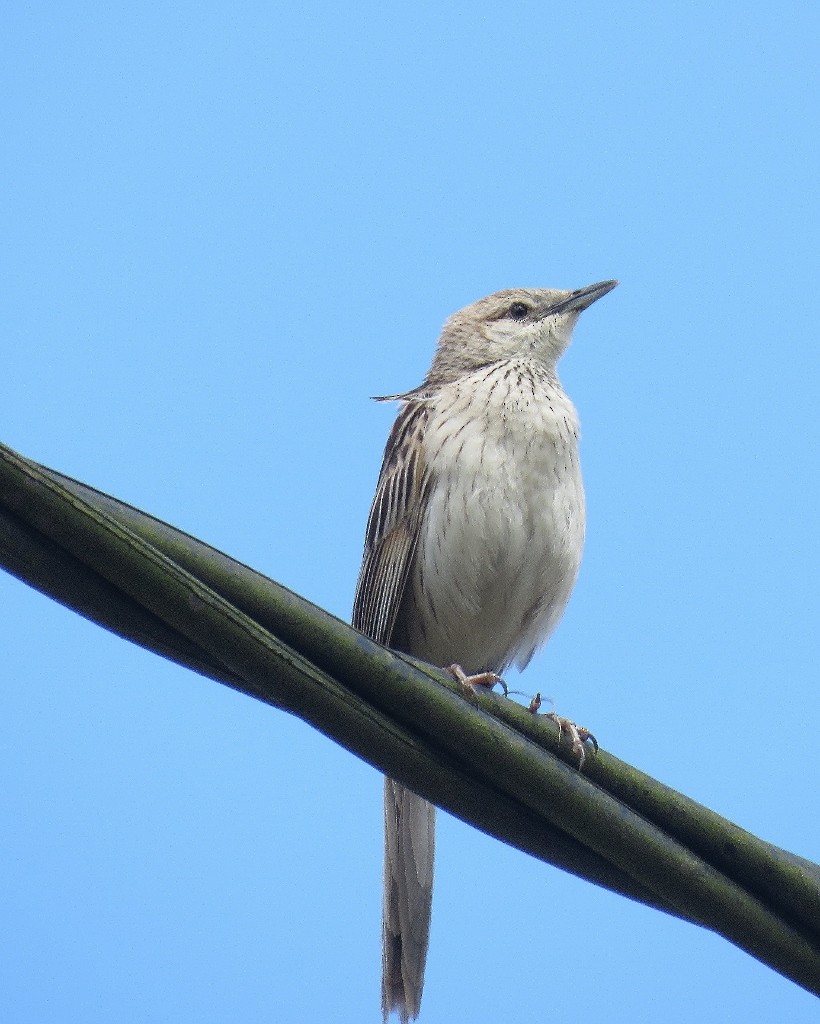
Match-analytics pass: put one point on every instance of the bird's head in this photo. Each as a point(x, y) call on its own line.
point(535, 323)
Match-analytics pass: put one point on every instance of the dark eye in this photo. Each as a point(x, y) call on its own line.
point(518, 310)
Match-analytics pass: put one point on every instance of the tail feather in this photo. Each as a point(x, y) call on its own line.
point(409, 847)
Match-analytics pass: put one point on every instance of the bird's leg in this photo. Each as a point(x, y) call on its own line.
point(469, 683)
point(577, 734)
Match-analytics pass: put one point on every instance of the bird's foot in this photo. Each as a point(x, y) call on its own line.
point(469, 683)
point(577, 734)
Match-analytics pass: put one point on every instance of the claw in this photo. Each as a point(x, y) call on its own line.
point(469, 683)
point(578, 736)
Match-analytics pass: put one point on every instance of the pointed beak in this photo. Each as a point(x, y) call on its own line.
point(581, 298)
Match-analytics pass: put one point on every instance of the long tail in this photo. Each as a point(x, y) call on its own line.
point(409, 846)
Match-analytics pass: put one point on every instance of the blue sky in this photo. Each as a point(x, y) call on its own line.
point(223, 228)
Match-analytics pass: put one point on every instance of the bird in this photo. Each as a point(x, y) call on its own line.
point(472, 547)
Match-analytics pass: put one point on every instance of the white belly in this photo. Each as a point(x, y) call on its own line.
point(501, 540)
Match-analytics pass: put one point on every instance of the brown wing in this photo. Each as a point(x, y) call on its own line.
point(393, 526)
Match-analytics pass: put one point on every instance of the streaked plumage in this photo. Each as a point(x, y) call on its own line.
point(472, 546)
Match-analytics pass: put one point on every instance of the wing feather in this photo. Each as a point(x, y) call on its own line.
point(393, 526)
